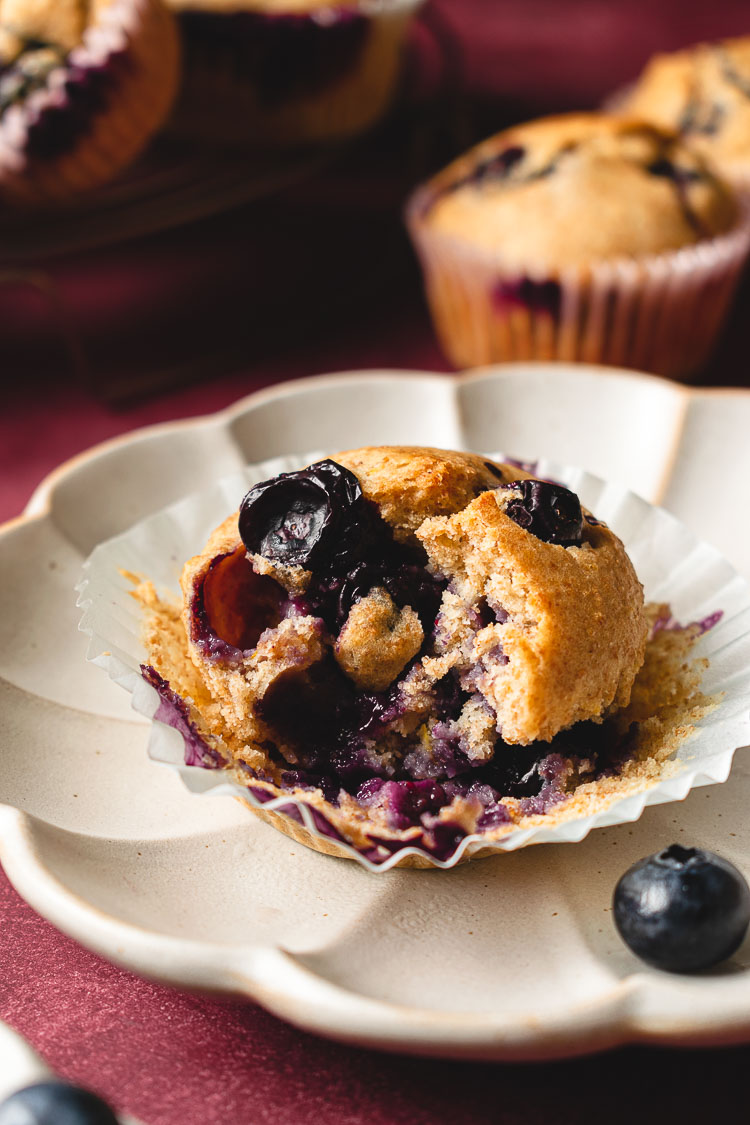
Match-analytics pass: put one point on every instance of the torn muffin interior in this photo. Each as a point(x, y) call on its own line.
point(420, 645)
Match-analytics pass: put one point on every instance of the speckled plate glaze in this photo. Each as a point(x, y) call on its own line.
point(513, 957)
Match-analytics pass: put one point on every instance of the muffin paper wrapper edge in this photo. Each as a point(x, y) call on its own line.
point(672, 563)
point(660, 313)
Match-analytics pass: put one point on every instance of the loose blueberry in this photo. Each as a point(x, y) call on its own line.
point(55, 1103)
point(682, 909)
point(549, 511)
point(305, 517)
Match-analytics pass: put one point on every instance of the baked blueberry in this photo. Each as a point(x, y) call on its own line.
point(682, 909)
point(304, 518)
point(55, 1103)
point(549, 511)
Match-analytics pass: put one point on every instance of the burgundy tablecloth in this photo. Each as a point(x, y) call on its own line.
point(319, 278)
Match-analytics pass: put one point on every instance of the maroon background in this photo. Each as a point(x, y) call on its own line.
point(318, 278)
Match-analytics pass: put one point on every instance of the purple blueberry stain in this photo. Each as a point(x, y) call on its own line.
point(667, 623)
point(174, 712)
point(543, 297)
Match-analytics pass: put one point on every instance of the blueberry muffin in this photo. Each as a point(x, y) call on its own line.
point(417, 645)
point(704, 94)
point(581, 237)
point(83, 86)
point(287, 72)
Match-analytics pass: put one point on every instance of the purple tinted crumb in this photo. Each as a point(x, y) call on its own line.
point(284, 56)
point(552, 770)
point(405, 802)
point(173, 711)
point(302, 779)
point(546, 799)
point(526, 293)
point(443, 759)
point(667, 623)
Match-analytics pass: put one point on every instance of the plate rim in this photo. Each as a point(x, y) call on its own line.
point(615, 1019)
point(37, 504)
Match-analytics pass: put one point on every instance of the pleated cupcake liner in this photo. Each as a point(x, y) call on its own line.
point(661, 313)
point(673, 564)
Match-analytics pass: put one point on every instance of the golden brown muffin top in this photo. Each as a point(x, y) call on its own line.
point(577, 189)
point(703, 93)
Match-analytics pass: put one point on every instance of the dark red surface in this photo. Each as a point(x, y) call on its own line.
point(320, 278)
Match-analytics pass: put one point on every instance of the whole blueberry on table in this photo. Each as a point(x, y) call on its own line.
point(682, 909)
point(55, 1103)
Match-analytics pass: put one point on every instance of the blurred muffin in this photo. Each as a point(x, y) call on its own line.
point(704, 94)
point(83, 86)
point(581, 237)
point(286, 72)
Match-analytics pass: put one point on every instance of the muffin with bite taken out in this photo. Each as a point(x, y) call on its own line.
point(415, 644)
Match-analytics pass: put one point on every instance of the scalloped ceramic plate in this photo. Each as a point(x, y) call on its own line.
point(509, 957)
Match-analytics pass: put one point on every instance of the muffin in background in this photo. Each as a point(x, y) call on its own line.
point(583, 237)
point(288, 72)
point(703, 93)
point(83, 87)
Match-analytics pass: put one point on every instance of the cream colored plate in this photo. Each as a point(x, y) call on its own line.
point(509, 957)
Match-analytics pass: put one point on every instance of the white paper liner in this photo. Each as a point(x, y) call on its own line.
point(673, 564)
point(660, 313)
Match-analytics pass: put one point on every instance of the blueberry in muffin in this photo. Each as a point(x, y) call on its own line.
point(418, 645)
point(704, 94)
